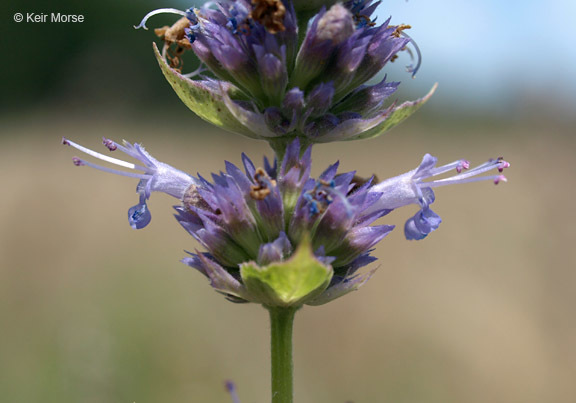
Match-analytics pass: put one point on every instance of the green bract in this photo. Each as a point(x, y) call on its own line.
point(291, 283)
point(204, 100)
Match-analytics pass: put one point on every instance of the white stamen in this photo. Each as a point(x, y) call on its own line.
point(113, 171)
point(487, 166)
point(471, 175)
point(413, 69)
point(457, 180)
point(199, 70)
point(103, 157)
point(447, 167)
point(158, 11)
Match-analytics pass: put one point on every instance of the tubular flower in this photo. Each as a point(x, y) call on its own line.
point(155, 176)
point(276, 236)
point(412, 188)
point(265, 83)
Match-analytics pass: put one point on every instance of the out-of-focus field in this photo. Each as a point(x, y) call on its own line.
point(484, 310)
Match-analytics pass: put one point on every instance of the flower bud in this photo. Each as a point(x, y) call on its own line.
point(336, 25)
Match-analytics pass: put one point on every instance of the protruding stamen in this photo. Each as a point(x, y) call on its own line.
point(102, 157)
point(80, 162)
point(503, 165)
point(463, 165)
point(411, 68)
point(109, 144)
point(500, 178)
point(459, 166)
point(400, 29)
point(469, 176)
point(158, 11)
point(485, 167)
point(201, 69)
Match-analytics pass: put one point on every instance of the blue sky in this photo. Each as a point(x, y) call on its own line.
point(491, 53)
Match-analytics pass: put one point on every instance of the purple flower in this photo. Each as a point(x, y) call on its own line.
point(264, 83)
point(413, 188)
point(155, 176)
point(253, 221)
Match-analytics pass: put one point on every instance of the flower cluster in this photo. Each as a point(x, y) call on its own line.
point(264, 224)
point(273, 234)
point(275, 78)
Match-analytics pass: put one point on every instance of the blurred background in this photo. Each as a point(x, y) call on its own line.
point(482, 310)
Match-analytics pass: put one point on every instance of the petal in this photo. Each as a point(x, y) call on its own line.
point(219, 278)
point(358, 241)
point(139, 216)
point(423, 223)
point(253, 122)
point(275, 251)
point(351, 129)
point(340, 287)
point(366, 99)
point(356, 129)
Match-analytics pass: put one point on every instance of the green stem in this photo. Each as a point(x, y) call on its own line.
point(281, 324)
point(280, 144)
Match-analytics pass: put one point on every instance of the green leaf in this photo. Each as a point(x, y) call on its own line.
point(396, 116)
point(289, 283)
point(203, 100)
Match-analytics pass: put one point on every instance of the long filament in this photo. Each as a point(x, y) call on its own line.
point(158, 11)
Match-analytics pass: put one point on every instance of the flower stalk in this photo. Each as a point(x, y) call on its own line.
point(281, 326)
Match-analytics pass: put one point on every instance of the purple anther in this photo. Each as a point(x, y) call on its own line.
point(500, 178)
point(503, 165)
point(109, 144)
point(65, 141)
point(77, 161)
point(464, 164)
